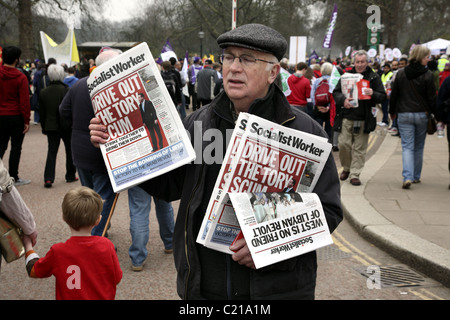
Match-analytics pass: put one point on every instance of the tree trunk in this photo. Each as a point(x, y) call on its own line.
point(26, 41)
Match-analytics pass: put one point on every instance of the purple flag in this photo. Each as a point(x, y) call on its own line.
point(166, 48)
point(331, 26)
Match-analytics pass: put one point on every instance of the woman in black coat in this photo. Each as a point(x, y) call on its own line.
point(443, 110)
point(413, 96)
point(54, 127)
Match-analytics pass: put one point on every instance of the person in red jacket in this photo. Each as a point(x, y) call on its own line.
point(300, 87)
point(15, 110)
point(85, 267)
point(444, 74)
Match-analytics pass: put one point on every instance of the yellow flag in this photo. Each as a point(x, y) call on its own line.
point(66, 52)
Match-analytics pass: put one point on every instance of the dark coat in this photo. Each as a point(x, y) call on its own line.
point(443, 102)
point(413, 90)
point(77, 108)
point(193, 184)
point(49, 101)
point(364, 110)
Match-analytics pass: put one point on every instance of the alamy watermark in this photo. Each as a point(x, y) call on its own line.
point(374, 21)
point(374, 277)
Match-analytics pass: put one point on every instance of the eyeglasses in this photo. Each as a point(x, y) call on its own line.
point(246, 60)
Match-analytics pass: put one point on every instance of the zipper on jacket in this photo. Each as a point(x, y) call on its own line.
point(185, 233)
point(287, 120)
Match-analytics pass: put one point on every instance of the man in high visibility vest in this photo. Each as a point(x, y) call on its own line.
point(386, 79)
point(442, 62)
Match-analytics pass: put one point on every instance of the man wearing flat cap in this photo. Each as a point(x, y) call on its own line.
point(250, 61)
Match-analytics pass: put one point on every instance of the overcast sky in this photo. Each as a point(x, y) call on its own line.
point(120, 10)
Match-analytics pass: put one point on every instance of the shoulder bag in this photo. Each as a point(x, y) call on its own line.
point(432, 123)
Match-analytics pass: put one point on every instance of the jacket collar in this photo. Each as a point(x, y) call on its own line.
point(274, 107)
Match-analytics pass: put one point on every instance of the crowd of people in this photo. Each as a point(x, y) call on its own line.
point(348, 127)
point(248, 79)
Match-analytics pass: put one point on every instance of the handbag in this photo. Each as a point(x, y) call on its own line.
point(432, 123)
point(11, 245)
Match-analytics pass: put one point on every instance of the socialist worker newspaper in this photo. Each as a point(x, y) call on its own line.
point(278, 225)
point(221, 182)
point(147, 137)
point(268, 158)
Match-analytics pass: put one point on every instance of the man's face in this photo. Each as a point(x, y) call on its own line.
point(402, 64)
point(394, 65)
point(246, 83)
point(361, 63)
point(141, 98)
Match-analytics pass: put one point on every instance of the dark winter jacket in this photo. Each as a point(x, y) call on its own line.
point(77, 108)
point(413, 90)
point(49, 101)
point(364, 110)
point(207, 274)
point(443, 102)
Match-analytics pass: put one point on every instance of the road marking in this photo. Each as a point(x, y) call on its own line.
point(346, 246)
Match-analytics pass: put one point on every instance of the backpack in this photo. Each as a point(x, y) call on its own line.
point(169, 81)
point(322, 94)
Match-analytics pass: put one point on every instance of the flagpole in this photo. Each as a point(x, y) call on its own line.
point(234, 15)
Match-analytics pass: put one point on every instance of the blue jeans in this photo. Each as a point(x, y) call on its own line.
point(139, 202)
point(100, 183)
point(413, 128)
point(182, 107)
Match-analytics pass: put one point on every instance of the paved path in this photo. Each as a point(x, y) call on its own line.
point(413, 225)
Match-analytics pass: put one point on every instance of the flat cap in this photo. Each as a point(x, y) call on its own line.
point(255, 37)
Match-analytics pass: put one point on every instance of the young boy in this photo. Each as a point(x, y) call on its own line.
point(85, 267)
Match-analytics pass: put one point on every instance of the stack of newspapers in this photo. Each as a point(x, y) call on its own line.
point(264, 193)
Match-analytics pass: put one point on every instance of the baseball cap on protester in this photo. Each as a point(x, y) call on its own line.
point(255, 37)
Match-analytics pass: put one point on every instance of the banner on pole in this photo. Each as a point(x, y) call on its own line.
point(65, 52)
point(331, 26)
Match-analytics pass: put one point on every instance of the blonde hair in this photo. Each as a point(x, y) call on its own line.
point(81, 207)
point(418, 53)
point(326, 69)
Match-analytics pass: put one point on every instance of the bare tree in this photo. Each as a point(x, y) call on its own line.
point(23, 11)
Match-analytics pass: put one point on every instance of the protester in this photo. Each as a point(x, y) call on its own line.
point(300, 88)
point(413, 97)
point(357, 123)
point(71, 79)
point(40, 82)
point(139, 203)
point(386, 79)
point(85, 267)
point(250, 67)
point(173, 82)
point(322, 113)
point(77, 108)
point(182, 107)
point(394, 65)
point(443, 110)
point(206, 79)
point(15, 110)
point(55, 127)
point(394, 128)
point(444, 74)
point(13, 206)
point(443, 60)
point(193, 70)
